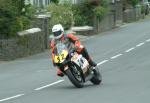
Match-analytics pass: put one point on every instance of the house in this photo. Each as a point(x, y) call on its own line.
point(43, 3)
point(39, 3)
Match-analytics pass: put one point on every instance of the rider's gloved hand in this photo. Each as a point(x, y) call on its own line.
point(77, 43)
point(73, 49)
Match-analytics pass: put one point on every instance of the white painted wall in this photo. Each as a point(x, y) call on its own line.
point(72, 1)
point(39, 2)
point(46, 2)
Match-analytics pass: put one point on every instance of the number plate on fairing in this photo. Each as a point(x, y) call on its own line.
point(81, 62)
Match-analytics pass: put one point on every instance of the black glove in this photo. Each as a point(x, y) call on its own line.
point(73, 49)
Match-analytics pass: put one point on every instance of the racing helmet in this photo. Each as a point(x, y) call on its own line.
point(57, 31)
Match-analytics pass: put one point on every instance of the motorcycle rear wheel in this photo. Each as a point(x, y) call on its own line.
point(97, 79)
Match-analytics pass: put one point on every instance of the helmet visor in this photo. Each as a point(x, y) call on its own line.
point(57, 33)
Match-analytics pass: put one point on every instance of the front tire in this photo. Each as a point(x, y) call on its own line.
point(77, 83)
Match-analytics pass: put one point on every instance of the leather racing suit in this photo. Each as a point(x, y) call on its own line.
point(70, 38)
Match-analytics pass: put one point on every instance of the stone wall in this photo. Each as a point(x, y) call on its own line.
point(43, 24)
point(119, 11)
point(117, 8)
point(132, 14)
point(107, 23)
point(24, 45)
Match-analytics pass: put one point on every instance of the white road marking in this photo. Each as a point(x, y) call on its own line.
point(148, 40)
point(100, 63)
point(116, 56)
point(16, 96)
point(140, 44)
point(129, 50)
point(104, 61)
point(59, 81)
point(49, 85)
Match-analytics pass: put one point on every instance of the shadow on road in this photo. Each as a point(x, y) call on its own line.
point(72, 87)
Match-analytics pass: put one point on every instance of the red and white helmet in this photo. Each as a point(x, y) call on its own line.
point(58, 31)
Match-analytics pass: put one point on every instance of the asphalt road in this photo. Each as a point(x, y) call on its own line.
point(123, 55)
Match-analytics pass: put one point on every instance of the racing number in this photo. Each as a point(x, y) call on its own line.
point(62, 55)
point(81, 62)
point(58, 59)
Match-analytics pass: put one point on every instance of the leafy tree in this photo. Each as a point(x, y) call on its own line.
point(84, 13)
point(8, 23)
point(55, 1)
point(19, 4)
point(61, 13)
point(133, 2)
point(14, 16)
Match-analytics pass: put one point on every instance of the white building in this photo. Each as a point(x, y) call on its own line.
point(72, 1)
point(41, 3)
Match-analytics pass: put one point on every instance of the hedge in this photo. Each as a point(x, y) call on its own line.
point(13, 18)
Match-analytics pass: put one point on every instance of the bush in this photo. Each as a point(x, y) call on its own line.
point(100, 12)
point(133, 2)
point(104, 3)
point(12, 18)
point(84, 16)
point(24, 23)
point(30, 11)
point(55, 1)
point(8, 24)
point(78, 17)
point(61, 14)
point(142, 9)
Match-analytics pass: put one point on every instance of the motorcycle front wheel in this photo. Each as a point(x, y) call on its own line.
point(75, 77)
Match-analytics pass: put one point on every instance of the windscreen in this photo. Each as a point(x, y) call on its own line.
point(60, 47)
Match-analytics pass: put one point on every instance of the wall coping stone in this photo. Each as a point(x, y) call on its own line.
point(29, 31)
point(82, 28)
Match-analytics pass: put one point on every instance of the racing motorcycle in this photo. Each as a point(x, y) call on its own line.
point(75, 66)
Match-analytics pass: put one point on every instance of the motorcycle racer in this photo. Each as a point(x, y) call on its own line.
point(58, 34)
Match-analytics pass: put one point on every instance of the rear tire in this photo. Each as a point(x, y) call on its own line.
point(72, 78)
point(97, 79)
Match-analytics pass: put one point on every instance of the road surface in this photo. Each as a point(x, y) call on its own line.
point(123, 56)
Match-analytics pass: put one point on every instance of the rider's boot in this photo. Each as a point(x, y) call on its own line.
point(85, 54)
point(92, 63)
point(60, 73)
